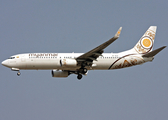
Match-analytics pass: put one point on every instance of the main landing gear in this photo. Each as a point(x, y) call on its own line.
point(79, 76)
point(80, 72)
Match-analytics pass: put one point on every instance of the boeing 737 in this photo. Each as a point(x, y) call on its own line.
point(64, 64)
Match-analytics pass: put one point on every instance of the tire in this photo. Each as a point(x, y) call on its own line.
point(79, 76)
point(84, 70)
point(18, 73)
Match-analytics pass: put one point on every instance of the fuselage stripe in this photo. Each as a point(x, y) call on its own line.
point(118, 60)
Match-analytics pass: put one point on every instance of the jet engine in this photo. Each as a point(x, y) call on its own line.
point(68, 62)
point(56, 73)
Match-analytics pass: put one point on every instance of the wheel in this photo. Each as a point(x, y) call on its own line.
point(84, 70)
point(79, 76)
point(18, 73)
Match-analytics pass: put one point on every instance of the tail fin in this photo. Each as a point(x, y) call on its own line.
point(145, 44)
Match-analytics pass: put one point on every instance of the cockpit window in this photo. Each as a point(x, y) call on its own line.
point(12, 58)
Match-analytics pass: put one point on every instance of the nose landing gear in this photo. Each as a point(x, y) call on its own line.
point(16, 69)
point(18, 73)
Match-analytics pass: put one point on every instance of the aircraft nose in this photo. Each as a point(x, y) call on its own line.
point(5, 63)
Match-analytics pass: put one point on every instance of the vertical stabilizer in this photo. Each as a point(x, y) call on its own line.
point(145, 44)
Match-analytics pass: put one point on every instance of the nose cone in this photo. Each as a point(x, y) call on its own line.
point(5, 63)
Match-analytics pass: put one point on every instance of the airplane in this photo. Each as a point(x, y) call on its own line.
point(64, 64)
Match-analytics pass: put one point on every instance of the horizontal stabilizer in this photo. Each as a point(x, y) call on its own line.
point(153, 53)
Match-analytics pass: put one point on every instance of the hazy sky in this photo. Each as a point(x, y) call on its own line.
point(135, 93)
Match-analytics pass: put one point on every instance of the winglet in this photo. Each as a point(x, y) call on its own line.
point(118, 33)
point(153, 53)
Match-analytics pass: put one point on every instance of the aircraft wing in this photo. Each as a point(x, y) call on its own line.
point(96, 52)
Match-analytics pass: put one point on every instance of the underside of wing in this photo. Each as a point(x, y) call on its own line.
point(87, 58)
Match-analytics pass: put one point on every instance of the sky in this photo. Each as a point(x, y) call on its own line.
point(62, 26)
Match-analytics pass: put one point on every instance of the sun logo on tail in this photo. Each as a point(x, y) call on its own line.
point(146, 43)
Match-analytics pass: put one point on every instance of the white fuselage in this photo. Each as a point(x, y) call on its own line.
point(51, 61)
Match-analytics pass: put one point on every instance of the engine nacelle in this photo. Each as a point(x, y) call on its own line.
point(68, 62)
point(56, 73)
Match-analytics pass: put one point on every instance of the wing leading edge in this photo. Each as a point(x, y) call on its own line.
point(93, 54)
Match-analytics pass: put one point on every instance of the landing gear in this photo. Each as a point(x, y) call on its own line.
point(18, 73)
point(79, 76)
point(83, 70)
point(80, 72)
